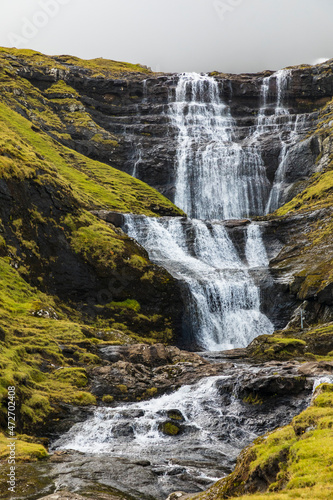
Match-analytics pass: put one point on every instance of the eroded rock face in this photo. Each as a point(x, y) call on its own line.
point(131, 130)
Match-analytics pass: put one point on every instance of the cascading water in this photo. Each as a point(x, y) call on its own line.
point(224, 303)
point(217, 178)
point(275, 118)
point(214, 422)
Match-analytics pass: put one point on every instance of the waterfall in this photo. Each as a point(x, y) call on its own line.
point(223, 303)
point(217, 177)
point(255, 251)
point(275, 118)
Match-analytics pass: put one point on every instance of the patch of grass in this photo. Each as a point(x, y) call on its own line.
point(276, 347)
point(25, 450)
point(300, 455)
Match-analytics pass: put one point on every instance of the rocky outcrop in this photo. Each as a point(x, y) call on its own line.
point(285, 459)
point(137, 372)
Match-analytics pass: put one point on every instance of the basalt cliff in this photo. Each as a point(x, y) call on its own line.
point(89, 317)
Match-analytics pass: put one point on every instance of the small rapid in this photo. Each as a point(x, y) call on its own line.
point(214, 423)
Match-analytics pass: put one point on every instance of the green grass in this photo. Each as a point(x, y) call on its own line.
point(25, 449)
point(302, 452)
point(97, 67)
point(24, 152)
point(32, 342)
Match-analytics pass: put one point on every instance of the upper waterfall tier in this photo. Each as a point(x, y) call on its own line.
point(219, 173)
point(217, 178)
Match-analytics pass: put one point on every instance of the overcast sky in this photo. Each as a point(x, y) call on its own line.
point(175, 35)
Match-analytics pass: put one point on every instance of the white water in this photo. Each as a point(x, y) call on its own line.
point(255, 251)
point(217, 178)
point(223, 303)
point(197, 403)
point(275, 118)
point(134, 429)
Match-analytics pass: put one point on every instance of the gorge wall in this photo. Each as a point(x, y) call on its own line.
point(76, 287)
point(276, 123)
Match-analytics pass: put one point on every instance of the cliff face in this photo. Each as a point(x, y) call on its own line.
point(73, 284)
point(121, 118)
point(118, 114)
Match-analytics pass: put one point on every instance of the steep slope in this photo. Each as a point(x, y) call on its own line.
point(69, 281)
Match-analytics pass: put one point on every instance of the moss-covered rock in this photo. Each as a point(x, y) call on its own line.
point(293, 343)
point(170, 428)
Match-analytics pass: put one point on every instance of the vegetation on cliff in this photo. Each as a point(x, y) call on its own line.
point(68, 279)
point(71, 282)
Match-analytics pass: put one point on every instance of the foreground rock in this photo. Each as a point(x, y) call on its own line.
point(140, 371)
point(288, 458)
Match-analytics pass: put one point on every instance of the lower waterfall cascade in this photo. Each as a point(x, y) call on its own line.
point(223, 301)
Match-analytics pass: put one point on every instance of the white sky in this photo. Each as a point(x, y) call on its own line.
point(175, 35)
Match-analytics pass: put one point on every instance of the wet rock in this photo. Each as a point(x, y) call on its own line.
point(236, 223)
point(170, 428)
point(176, 415)
point(274, 385)
point(235, 353)
point(152, 356)
point(142, 371)
point(178, 495)
point(316, 368)
point(122, 430)
point(66, 495)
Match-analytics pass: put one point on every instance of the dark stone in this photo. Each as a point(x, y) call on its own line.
point(115, 218)
point(175, 415)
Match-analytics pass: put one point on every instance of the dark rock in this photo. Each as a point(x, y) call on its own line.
point(115, 218)
point(175, 415)
point(236, 223)
point(122, 430)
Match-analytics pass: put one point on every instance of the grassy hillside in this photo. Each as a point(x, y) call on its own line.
point(67, 279)
point(95, 67)
point(27, 152)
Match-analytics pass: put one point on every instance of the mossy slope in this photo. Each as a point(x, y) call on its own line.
point(42, 89)
point(291, 462)
point(27, 152)
point(310, 343)
point(67, 279)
